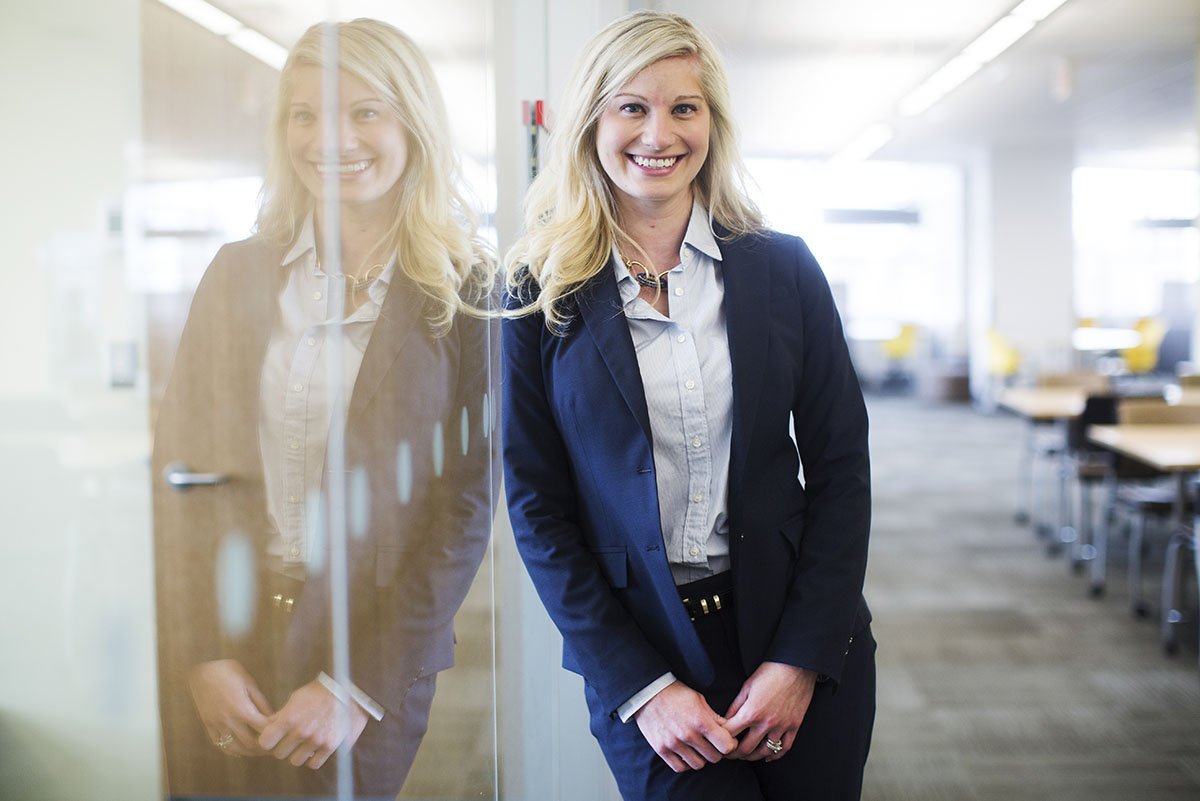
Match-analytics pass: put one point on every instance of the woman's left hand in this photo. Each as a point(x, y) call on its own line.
point(306, 730)
point(770, 706)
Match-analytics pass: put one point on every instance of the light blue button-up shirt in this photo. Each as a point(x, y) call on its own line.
point(688, 381)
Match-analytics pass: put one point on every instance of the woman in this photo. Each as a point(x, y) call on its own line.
point(251, 665)
point(660, 342)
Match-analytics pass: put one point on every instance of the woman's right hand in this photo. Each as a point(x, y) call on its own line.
point(683, 730)
point(229, 702)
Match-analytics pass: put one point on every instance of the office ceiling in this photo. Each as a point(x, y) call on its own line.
point(1115, 78)
point(445, 28)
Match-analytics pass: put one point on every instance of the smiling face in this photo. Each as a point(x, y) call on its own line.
point(652, 138)
point(372, 141)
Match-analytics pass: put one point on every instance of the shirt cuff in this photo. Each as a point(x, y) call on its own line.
point(626, 710)
point(369, 704)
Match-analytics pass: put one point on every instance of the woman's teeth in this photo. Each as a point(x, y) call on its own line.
point(654, 164)
point(344, 169)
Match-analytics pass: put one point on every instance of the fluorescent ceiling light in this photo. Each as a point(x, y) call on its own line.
point(866, 143)
point(938, 85)
point(214, 19)
point(1036, 10)
point(998, 38)
point(987, 46)
point(265, 50)
point(205, 15)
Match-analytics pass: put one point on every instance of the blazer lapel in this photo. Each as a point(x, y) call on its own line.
point(747, 307)
point(600, 308)
point(399, 318)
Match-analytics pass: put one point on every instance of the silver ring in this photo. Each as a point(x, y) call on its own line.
point(224, 741)
point(775, 747)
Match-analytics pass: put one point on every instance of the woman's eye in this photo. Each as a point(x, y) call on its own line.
point(366, 114)
point(685, 108)
point(632, 108)
point(302, 117)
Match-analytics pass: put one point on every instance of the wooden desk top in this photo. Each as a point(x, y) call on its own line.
point(1044, 403)
point(1170, 448)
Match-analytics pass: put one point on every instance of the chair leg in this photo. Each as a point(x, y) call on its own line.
point(1137, 532)
point(1025, 478)
point(1172, 593)
point(1099, 578)
point(1062, 533)
point(1085, 549)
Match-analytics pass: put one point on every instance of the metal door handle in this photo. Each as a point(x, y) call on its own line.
point(180, 477)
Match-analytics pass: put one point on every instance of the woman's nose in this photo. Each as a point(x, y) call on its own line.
point(347, 135)
point(657, 132)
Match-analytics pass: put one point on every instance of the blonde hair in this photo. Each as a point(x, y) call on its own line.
point(432, 232)
point(570, 211)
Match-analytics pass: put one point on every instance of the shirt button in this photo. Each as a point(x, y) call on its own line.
point(678, 291)
point(681, 338)
point(697, 498)
point(690, 384)
point(297, 387)
point(311, 341)
point(295, 444)
point(295, 550)
point(317, 295)
point(696, 442)
point(694, 550)
point(293, 499)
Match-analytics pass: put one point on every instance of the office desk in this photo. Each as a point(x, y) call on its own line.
point(1043, 407)
point(1171, 449)
point(1044, 404)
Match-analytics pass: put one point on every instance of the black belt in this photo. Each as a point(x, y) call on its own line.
point(707, 596)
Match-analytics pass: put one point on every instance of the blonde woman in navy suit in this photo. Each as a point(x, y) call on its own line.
point(660, 346)
point(253, 702)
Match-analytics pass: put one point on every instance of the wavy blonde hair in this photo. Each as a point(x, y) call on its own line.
point(433, 231)
point(571, 218)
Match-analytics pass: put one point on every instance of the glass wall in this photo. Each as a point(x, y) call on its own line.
point(246, 490)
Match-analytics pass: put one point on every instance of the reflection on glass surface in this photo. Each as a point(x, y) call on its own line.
point(321, 363)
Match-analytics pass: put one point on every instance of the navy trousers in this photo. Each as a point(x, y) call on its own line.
point(824, 764)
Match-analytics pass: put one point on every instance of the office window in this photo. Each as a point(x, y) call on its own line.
point(888, 235)
point(1135, 241)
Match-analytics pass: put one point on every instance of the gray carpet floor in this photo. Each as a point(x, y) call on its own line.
point(999, 678)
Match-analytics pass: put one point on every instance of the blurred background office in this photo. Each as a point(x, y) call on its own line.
point(1003, 195)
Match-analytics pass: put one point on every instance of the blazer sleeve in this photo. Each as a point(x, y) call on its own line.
point(822, 610)
point(602, 641)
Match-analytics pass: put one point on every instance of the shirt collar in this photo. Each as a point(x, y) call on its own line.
point(699, 235)
point(306, 244)
point(306, 240)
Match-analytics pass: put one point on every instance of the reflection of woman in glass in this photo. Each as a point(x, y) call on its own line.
point(711, 600)
point(247, 623)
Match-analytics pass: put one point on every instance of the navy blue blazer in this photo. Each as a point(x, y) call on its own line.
point(583, 500)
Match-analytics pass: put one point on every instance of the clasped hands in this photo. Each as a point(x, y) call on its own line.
point(238, 718)
point(687, 734)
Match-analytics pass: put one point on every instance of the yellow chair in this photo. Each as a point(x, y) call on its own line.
point(898, 350)
point(901, 346)
point(1003, 359)
point(1144, 357)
